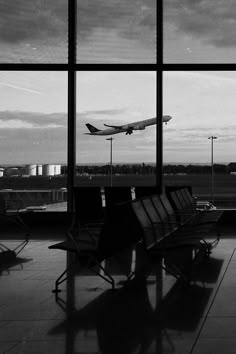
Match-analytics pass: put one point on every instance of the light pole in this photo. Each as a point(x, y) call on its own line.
point(212, 138)
point(111, 139)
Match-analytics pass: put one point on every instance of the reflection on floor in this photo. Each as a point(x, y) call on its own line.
point(156, 315)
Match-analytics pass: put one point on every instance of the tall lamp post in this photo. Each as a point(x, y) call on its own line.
point(111, 139)
point(212, 138)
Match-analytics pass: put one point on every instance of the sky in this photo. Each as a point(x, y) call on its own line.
point(33, 110)
point(114, 31)
point(199, 31)
point(33, 118)
point(117, 31)
point(202, 104)
point(116, 98)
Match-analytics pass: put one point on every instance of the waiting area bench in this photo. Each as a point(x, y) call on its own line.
point(92, 250)
point(148, 222)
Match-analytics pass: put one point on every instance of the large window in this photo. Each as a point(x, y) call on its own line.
point(199, 56)
point(33, 141)
point(199, 31)
point(116, 99)
point(46, 46)
point(199, 144)
point(33, 31)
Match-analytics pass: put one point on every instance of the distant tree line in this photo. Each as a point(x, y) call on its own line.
point(149, 169)
point(122, 169)
point(199, 169)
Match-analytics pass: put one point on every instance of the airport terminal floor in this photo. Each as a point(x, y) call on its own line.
point(154, 315)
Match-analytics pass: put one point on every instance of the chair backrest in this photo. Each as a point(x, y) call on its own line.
point(182, 200)
point(114, 195)
point(144, 191)
point(149, 238)
point(176, 201)
point(188, 196)
point(167, 205)
point(151, 210)
point(121, 230)
point(183, 197)
point(88, 204)
point(159, 207)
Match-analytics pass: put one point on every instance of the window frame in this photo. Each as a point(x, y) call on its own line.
point(71, 67)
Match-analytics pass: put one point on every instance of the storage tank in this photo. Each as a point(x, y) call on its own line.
point(39, 170)
point(48, 170)
point(31, 170)
point(13, 171)
point(57, 170)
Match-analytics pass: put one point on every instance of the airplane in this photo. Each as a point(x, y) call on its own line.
point(126, 128)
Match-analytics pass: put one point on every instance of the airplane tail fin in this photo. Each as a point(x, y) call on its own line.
point(91, 128)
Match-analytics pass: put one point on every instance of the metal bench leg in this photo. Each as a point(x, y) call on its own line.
point(108, 279)
point(59, 281)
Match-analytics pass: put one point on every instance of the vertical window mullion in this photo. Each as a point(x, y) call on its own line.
point(72, 24)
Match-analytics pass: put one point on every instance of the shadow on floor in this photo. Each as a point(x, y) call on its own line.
point(126, 322)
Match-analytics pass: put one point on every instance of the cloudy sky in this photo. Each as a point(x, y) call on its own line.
point(108, 31)
point(199, 31)
point(117, 31)
point(33, 118)
point(116, 98)
point(202, 104)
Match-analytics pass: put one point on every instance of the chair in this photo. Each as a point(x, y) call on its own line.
point(114, 195)
point(88, 204)
point(144, 191)
point(11, 211)
point(190, 223)
point(158, 240)
point(7, 255)
point(186, 205)
point(116, 235)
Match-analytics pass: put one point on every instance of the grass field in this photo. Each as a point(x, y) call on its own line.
point(224, 184)
point(201, 184)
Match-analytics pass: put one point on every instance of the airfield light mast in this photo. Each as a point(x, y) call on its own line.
point(111, 139)
point(212, 138)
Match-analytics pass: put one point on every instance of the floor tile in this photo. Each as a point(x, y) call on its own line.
point(215, 346)
point(219, 327)
point(39, 347)
point(224, 303)
point(154, 316)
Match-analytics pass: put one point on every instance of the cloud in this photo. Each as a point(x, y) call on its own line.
point(38, 19)
point(42, 20)
point(30, 120)
point(104, 112)
point(21, 88)
point(134, 19)
point(211, 21)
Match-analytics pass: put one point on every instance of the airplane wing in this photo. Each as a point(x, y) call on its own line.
point(114, 126)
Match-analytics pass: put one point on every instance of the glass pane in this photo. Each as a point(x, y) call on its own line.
point(116, 31)
point(33, 139)
point(202, 105)
point(33, 31)
point(116, 105)
point(199, 31)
